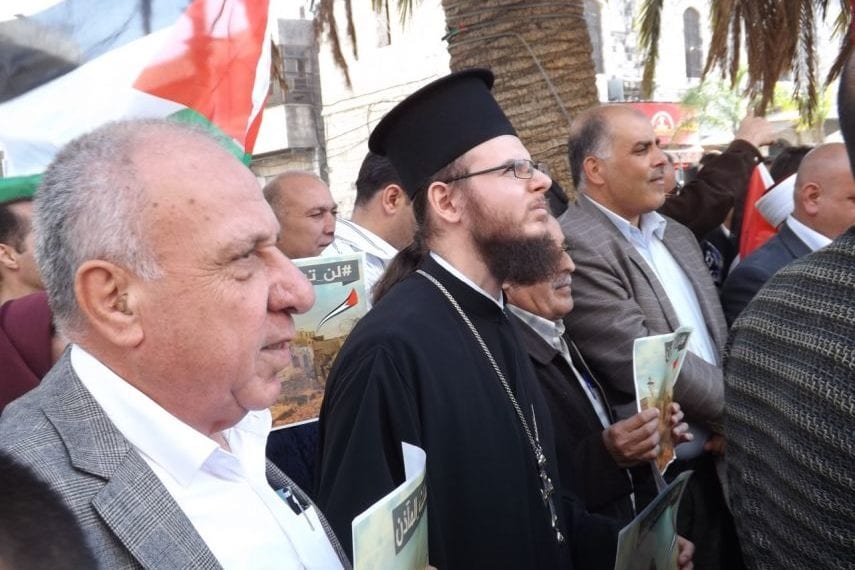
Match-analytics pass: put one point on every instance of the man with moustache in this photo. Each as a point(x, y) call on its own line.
point(159, 257)
point(594, 449)
point(437, 363)
point(639, 274)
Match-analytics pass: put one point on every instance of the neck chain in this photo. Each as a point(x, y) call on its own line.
point(546, 488)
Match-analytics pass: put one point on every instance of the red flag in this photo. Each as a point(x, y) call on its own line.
point(755, 229)
point(213, 63)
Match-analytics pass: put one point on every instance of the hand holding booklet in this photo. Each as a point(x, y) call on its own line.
point(392, 534)
point(656, 364)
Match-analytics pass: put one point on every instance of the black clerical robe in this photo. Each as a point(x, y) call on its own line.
point(412, 371)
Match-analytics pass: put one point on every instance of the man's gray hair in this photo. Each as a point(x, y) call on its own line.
point(590, 135)
point(89, 206)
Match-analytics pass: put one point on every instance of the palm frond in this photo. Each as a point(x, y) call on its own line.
point(649, 30)
point(841, 29)
point(779, 36)
point(325, 23)
point(351, 27)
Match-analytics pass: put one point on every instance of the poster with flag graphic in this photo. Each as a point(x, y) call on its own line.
point(340, 302)
point(71, 65)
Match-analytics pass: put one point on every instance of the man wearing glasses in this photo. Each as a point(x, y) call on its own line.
point(438, 364)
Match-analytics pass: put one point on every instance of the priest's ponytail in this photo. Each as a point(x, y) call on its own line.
point(409, 259)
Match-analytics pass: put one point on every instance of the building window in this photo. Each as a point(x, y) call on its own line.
point(595, 32)
point(692, 40)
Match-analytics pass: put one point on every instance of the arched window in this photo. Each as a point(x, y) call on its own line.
point(692, 40)
point(595, 32)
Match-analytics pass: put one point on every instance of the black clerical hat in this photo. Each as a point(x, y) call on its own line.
point(439, 123)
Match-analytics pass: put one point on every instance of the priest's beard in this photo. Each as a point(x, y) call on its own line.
point(509, 256)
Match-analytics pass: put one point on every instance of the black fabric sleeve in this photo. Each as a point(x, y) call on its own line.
point(704, 202)
point(367, 412)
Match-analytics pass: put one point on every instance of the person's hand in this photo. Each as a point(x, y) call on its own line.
point(756, 130)
point(716, 444)
point(685, 551)
point(679, 429)
point(634, 439)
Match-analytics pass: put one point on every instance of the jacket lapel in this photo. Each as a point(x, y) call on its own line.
point(637, 260)
point(147, 520)
point(133, 503)
point(545, 355)
point(792, 242)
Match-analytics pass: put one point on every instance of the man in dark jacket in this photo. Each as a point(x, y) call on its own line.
point(823, 208)
point(594, 450)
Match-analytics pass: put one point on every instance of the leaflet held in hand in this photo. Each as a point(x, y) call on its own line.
point(656, 362)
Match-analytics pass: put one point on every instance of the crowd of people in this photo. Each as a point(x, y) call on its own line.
point(148, 296)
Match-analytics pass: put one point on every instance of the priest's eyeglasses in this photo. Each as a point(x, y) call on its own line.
point(522, 168)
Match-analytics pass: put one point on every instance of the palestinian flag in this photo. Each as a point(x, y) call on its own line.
point(755, 229)
point(81, 63)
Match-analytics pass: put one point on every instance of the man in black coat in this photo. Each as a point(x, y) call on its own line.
point(594, 450)
point(437, 363)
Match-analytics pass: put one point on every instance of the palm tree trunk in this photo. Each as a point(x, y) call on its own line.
point(540, 53)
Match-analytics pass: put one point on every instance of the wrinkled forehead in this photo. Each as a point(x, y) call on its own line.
point(205, 185)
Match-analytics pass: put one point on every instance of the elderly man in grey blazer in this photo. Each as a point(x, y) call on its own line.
point(159, 257)
point(639, 274)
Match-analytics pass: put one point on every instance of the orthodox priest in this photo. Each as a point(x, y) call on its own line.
point(437, 363)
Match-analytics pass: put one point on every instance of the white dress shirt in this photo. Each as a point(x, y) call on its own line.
point(224, 494)
point(647, 240)
point(350, 237)
point(812, 238)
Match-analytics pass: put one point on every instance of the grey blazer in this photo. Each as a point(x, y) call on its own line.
point(618, 298)
point(129, 518)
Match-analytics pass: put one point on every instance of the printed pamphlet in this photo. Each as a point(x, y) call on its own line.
point(392, 534)
point(656, 363)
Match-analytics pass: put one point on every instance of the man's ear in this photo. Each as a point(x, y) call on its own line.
point(808, 196)
point(8, 256)
point(445, 201)
point(109, 301)
point(392, 199)
point(593, 168)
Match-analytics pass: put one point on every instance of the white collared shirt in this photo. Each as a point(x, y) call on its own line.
point(552, 332)
point(350, 237)
point(454, 271)
point(647, 240)
point(224, 494)
point(812, 238)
